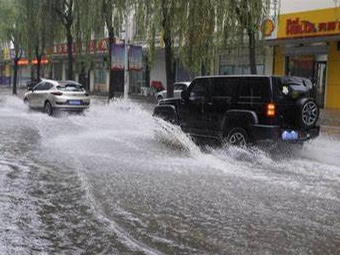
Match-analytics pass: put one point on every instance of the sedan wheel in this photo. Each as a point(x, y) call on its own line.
point(48, 108)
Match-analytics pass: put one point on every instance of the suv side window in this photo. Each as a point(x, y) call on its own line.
point(224, 87)
point(255, 89)
point(199, 89)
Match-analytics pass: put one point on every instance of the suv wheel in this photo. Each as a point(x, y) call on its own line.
point(309, 113)
point(48, 108)
point(237, 137)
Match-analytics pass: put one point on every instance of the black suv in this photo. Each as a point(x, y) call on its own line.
point(245, 109)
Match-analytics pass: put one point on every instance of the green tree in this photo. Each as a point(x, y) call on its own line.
point(163, 17)
point(12, 32)
point(66, 11)
point(39, 16)
point(199, 40)
point(247, 16)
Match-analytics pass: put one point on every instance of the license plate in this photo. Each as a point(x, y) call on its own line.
point(290, 135)
point(74, 102)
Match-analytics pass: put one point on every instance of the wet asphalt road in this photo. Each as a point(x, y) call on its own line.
point(117, 181)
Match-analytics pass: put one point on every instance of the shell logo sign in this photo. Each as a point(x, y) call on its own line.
point(267, 27)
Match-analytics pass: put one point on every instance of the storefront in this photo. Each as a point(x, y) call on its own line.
point(5, 68)
point(236, 61)
point(308, 44)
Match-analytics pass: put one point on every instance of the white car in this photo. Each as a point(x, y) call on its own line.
point(50, 96)
point(178, 88)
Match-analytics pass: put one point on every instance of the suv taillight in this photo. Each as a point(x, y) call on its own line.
point(271, 110)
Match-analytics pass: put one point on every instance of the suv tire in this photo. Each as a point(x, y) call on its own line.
point(237, 137)
point(309, 113)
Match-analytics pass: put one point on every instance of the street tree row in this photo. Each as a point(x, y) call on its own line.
point(193, 30)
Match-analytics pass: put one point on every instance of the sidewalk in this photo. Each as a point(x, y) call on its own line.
point(329, 120)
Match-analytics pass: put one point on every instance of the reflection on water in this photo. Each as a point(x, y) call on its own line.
point(117, 180)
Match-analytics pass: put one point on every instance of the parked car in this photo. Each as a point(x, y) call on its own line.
point(178, 88)
point(51, 96)
point(245, 109)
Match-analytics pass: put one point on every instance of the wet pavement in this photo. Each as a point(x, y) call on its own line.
point(117, 181)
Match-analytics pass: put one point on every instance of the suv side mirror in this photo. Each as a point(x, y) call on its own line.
point(185, 94)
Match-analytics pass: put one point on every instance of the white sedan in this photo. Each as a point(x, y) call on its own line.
point(178, 88)
point(50, 96)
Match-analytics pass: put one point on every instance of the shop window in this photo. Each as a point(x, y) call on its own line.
point(100, 76)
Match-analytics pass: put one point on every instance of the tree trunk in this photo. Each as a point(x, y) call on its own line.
point(15, 75)
point(38, 57)
point(111, 82)
point(168, 61)
point(252, 51)
point(38, 67)
point(147, 72)
point(203, 69)
point(168, 69)
point(69, 53)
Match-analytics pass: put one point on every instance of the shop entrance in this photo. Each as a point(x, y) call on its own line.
point(313, 67)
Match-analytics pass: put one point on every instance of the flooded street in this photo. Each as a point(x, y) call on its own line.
point(117, 181)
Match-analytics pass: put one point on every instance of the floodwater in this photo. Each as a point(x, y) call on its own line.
point(117, 181)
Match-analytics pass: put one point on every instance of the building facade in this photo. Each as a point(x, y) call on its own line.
point(307, 44)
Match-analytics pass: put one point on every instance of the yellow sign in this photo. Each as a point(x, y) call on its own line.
point(309, 24)
point(6, 54)
point(7, 70)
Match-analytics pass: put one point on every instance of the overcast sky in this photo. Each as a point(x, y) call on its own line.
point(288, 6)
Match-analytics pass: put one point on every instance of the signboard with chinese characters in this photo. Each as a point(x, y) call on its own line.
point(324, 22)
point(135, 58)
point(118, 56)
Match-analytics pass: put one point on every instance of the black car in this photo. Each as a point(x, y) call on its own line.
point(245, 109)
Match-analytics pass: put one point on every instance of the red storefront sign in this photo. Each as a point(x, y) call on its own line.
point(101, 45)
point(305, 27)
point(23, 62)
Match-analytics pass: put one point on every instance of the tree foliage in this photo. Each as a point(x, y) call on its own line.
point(40, 28)
point(12, 32)
point(161, 19)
